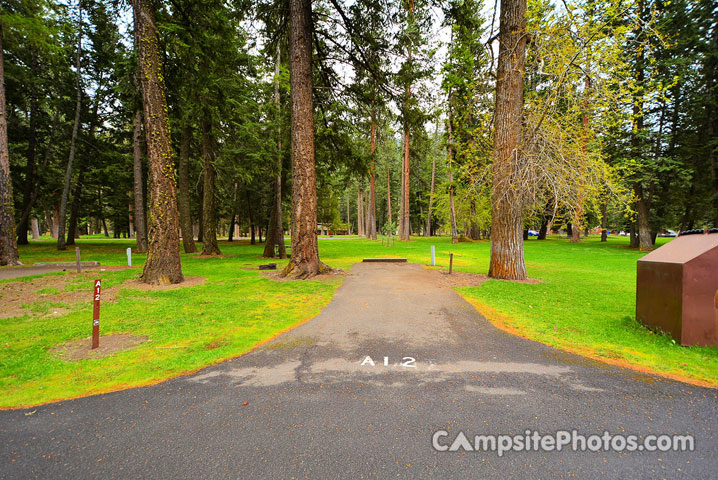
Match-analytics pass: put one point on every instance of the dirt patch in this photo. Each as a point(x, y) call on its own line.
point(276, 275)
point(215, 345)
point(463, 279)
point(188, 282)
point(48, 294)
point(79, 349)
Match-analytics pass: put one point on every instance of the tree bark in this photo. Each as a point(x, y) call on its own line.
point(139, 193)
point(73, 144)
point(360, 212)
point(251, 218)
point(275, 233)
point(507, 251)
point(305, 261)
point(371, 233)
point(474, 232)
point(401, 194)
point(642, 207)
point(633, 236)
point(431, 197)
point(644, 227)
point(450, 153)
point(184, 205)
point(35, 228)
point(8, 245)
point(27, 208)
point(209, 205)
point(75, 207)
point(349, 220)
point(27, 200)
point(604, 221)
point(72, 232)
point(711, 104)
point(405, 233)
point(544, 229)
point(388, 202)
point(163, 264)
point(235, 212)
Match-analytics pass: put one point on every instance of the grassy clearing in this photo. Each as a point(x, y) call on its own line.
point(584, 303)
point(188, 328)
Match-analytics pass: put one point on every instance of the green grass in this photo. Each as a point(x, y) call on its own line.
point(234, 310)
point(585, 303)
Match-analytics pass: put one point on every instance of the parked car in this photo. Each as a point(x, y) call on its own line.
point(533, 233)
point(668, 233)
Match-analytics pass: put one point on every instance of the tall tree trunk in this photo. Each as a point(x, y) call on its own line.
point(131, 218)
point(711, 105)
point(275, 232)
point(138, 194)
point(401, 194)
point(604, 221)
point(8, 245)
point(633, 236)
point(405, 233)
point(251, 218)
point(184, 206)
point(431, 196)
point(450, 154)
point(543, 230)
point(35, 228)
point(474, 232)
point(72, 232)
point(75, 207)
point(56, 222)
point(235, 212)
point(27, 207)
point(360, 212)
point(642, 207)
point(349, 221)
point(73, 144)
point(163, 264)
point(644, 227)
point(209, 206)
point(305, 261)
point(388, 202)
point(30, 181)
point(371, 233)
point(507, 250)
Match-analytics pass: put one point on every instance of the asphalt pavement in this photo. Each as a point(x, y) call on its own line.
point(360, 392)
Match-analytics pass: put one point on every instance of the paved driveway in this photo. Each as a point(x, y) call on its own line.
point(359, 391)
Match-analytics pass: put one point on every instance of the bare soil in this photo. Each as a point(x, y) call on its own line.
point(79, 349)
point(276, 275)
point(463, 279)
point(13, 295)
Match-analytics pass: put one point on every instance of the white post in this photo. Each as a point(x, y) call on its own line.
point(129, 256)
point(433, 256)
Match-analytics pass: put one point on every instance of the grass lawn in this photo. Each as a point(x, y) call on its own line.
point(585, 303)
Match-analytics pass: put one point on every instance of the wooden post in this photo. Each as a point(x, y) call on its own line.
point(77, 259)
point(96, 315)
point(451, 262)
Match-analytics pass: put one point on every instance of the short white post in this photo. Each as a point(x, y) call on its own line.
point(129, 256)
point(433, 256)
